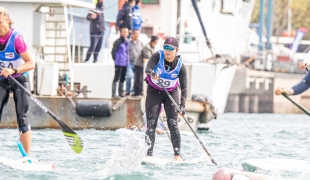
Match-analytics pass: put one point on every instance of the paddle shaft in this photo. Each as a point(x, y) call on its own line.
point(177, 106)
point(295, 103)
point(167, 133)
point(72, 138)
point(298, 105)
point(63, 126)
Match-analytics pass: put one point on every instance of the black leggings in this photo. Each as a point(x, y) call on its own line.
point(95, 45)
point(120, 73)
point(138, 83)
point(21, 100)
point(154, 98)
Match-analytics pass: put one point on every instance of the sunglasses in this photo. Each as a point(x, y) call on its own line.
point(168, 48)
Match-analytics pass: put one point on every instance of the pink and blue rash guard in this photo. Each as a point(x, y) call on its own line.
point(169, 79)
point(14, 44)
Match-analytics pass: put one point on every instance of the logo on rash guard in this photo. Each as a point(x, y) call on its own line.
point(9, 55)
point(174, 75)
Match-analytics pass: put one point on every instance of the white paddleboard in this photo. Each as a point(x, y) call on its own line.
point(152, 160)
point(288, 165)
point(125, 131)
point(34, 166)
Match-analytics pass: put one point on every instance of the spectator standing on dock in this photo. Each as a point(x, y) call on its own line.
point(96, 18)
point(15, 60)
point(124, 17)
point(144, 55)
point(136, 17)
point(165, 66)
point(135, 47)
point(120, 55)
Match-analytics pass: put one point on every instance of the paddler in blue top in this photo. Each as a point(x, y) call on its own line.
point(165, 66)
point(15, 60)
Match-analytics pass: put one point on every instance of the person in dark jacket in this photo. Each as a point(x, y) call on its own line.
point(120, 55)
point(144, 55)
point(125, 16)
point(96, 18)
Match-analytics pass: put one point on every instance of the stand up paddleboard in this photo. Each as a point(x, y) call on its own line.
point(152, 160)
point(232, 174)
point(26, 166)
point(26, 163)
point(287, 165)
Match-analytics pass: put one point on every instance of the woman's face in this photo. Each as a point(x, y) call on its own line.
point(170, 53)
point(4, 25)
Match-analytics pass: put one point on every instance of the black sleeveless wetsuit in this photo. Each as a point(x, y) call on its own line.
point(155, 98)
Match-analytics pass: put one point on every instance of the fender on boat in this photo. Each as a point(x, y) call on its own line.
point(99, 108)
point(230, 174)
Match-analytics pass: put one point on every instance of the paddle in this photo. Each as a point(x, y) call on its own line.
point(73, 139)
point(295, 103)
point(164, 127)
point(175, 104)
point(299, 106)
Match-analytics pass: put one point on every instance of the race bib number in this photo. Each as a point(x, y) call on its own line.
point(161, 83)
point(165, 82)
point(11, 64)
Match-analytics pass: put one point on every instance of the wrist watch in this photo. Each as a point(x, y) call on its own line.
point(15, 70)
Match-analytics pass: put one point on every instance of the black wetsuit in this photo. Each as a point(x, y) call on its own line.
point(21, 100)
point(155, 97)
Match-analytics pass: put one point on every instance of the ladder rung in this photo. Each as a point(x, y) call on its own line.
point(56, 37)
point(54, 29)
point(55, 45)
point(54, 21)
point(60, 61)
point(54, 53)
point(64, 69)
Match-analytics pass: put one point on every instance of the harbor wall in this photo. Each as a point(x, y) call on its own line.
point(252, 91)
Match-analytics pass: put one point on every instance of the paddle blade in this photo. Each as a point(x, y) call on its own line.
point(74, 141)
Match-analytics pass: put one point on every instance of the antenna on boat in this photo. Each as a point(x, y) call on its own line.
point(194, 2)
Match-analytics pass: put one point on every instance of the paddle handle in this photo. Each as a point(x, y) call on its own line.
point(175, 104)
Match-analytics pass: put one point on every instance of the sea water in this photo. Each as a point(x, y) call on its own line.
point(113, 155)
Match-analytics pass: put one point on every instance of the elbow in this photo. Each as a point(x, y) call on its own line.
point(32, 65)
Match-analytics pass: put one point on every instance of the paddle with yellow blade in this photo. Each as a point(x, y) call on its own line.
point(73, 139)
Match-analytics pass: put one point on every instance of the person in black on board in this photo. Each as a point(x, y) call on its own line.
point(165, 66)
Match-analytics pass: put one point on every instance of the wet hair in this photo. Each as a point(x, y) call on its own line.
point(137, 2)
point(130, 1)
point(5, 14)
point(154, 38)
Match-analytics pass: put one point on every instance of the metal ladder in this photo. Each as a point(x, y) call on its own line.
point(58, 32)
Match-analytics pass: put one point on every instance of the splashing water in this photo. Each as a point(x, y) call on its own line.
point(128, 157)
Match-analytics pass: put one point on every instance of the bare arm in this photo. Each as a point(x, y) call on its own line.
point(29, 62)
